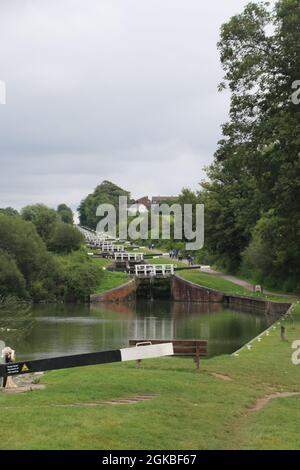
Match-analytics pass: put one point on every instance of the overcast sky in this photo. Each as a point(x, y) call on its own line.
point(124, 90)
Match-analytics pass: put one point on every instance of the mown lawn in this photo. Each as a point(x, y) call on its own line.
point(190, 411)
point(227, 287)
point(163, 260)
point(213, 282)
point(110, 279)
point(102, 262)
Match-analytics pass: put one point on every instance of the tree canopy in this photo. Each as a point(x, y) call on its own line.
point(29, 270)
point(105, 193)
point(65, 214)
point(253, 192)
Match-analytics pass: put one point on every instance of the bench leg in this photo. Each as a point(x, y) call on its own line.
point(197, 360)
point(138, 363)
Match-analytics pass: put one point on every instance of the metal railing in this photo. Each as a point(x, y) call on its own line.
point(149, 270)
point(124, 256)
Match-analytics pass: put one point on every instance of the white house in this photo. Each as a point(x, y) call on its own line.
point(136, 208)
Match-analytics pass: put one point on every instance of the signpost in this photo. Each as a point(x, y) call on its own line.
point(79, 360)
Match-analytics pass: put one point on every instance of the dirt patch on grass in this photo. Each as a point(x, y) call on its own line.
point(226, 378)
point(122, 401)
point(24, 383)
point(262, 402)
point(27, 388)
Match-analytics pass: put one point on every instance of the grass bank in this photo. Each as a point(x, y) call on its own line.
point(164, 260)
point(110, 279)
point(213, 282)
point(190, 410)
point(227, 287)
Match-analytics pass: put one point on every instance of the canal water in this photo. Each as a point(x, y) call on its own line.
point(55, 330)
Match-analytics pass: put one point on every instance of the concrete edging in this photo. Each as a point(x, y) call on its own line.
point(265, 332)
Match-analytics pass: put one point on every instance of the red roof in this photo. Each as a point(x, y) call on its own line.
point(143, 200)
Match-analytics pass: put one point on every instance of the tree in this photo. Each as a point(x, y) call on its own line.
point(105, 193)
point(16, 319)
point(65, 214)
point(270, 256)
point(65, 239)
point(12, 281)
point(43, 218)
point(256, 169)
point(80, 277)
point(21, 242)
point(9, 211)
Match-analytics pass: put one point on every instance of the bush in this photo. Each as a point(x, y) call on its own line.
point(43, 218)
point(80, 277)
point(65, 239)
point(65, 214)
point(20, 241)
point(11, 279)
point(271, 257)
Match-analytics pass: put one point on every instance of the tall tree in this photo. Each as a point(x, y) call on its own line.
point(254, 186)
point(65, 214)
point(26, 258)
point(44, 219)
point(105, 193)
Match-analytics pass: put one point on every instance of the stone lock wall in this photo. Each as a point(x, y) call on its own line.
point(183, 290)
point(123, 292)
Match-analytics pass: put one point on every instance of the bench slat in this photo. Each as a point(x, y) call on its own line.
point(202, 351)
point(181, 347)
point(175, 342)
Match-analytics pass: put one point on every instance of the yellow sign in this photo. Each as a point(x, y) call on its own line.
point(24, 368)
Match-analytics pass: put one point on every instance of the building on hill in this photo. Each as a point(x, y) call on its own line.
point(164, 199)
point(143, 204)
point(140, 206)
point(145, 201)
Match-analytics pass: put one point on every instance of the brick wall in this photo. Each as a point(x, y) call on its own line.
point(183, 290)
point(259, 305)
point(124, 292)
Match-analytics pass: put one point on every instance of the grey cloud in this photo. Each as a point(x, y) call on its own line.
point(124, 90)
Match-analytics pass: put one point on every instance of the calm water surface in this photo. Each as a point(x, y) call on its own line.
point(54, 330)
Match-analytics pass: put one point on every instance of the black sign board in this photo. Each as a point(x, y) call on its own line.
point(63, 362)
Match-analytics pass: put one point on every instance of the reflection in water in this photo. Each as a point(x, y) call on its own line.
point(55, 330)
point(16, 321)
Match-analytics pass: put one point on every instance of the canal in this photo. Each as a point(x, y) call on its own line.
point(54, 330)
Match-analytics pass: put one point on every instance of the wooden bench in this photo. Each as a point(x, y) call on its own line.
point(182, 347)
